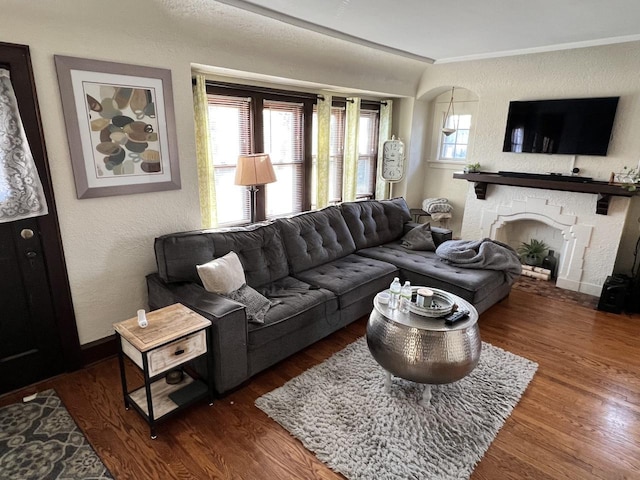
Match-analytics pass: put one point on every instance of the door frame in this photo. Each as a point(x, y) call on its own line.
point(17, 59)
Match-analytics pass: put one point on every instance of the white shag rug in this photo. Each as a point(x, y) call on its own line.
point(340, 411)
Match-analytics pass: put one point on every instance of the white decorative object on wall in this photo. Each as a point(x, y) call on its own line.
point(392, 160)
point(21, 193)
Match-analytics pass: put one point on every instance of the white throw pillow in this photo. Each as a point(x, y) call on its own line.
point(222, 275)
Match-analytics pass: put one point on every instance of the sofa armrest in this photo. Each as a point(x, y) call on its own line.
point(439, 234)
point(229, 331)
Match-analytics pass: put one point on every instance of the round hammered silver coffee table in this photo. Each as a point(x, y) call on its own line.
point(424, 349)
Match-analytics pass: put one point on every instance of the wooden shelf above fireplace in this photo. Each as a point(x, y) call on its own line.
point(603, 190)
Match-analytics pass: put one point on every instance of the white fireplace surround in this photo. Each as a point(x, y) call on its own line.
point(589, 241)
point(576, 236)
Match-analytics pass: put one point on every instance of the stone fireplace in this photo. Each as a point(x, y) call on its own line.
point(586, 243)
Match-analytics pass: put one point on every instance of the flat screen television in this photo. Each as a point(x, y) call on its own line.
point(579, 126)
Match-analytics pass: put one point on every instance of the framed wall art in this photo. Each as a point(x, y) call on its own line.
point(120, 124)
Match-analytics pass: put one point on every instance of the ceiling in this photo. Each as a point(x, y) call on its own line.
point(457, 30)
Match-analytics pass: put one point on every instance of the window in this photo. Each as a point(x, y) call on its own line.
point(367, 153)
point(245, 120)
point(454, 146)
point(283, 139)
point(336, 152)
point(367, 150)
point(229, 137)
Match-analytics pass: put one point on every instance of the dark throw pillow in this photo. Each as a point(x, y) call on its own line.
point(419, 238)
point(256, 304)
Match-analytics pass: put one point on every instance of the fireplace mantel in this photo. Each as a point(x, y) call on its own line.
point(603, 190)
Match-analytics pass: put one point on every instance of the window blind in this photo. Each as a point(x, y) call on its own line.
point(230, 135)
point(284, 141)
point(367, 153)
point(336, 153)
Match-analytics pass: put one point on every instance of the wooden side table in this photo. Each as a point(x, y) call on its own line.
point(416, 213)
point(174, 336)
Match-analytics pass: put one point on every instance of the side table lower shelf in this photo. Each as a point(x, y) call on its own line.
point(161, 393)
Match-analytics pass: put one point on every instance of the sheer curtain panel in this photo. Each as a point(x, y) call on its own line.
point(386, 111)
point(206, 174)
point(351, 153)
point(322, 169)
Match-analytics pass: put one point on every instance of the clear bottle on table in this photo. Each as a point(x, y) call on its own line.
point(394, 293)
point(405, 297)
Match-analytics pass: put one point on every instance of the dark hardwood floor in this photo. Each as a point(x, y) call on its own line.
point(578, 419)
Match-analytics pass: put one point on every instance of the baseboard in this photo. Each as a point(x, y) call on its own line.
point(99, 350)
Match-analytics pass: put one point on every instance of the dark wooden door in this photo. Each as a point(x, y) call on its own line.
point(29, 346)
point(38, 336)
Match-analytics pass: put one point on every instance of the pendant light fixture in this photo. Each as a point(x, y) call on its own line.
point(449, 130)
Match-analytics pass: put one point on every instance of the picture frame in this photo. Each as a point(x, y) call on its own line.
point(121, 128)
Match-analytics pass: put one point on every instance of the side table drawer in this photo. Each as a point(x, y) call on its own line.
point(168, 356)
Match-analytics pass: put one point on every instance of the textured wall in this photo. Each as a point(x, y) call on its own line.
point(589, 72)
point(108, 242)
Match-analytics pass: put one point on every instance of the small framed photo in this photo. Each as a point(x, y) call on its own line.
point(120, 124)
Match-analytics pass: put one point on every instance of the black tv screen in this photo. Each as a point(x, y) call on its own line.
point(580, 126)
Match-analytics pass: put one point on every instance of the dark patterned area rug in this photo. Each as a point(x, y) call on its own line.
point(548, 289)
point(39, 440)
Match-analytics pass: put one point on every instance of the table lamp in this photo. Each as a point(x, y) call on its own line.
point(253, 170)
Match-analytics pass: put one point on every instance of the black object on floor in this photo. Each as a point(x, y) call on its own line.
point(614, 293)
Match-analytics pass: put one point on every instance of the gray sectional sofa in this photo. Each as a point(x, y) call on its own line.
point(321, 269)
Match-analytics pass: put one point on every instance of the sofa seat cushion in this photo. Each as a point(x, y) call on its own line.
point(294, 305)
point(471, 284)
point(314, 238)
point(351, 278)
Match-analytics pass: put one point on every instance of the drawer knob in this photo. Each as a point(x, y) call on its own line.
point(179, 352)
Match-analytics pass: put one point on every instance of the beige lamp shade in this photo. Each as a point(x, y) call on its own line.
point(254, 169)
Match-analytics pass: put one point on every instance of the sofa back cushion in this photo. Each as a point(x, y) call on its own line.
point(258, 246)
point(314, 238)
point(373, 222)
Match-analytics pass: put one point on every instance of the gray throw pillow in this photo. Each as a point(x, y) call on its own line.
point(256, 304)
point(419, 238)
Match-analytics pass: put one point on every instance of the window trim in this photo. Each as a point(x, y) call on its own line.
point(366, 105)
point(442, 138)
point(462, 107)
point(243, 103)
point(258, 95)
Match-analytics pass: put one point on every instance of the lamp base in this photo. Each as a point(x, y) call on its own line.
point(253, 190)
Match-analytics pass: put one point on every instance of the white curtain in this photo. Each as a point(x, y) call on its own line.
point(324, 151)
point(384, 134)
point(351, 153)
point(21, 193)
